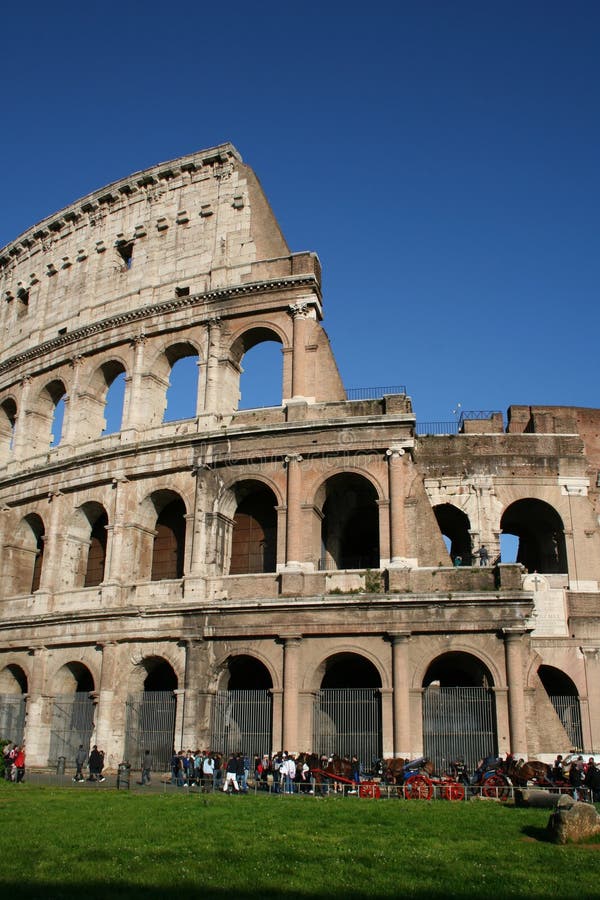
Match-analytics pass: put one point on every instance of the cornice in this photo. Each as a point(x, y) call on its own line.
point(145, 312)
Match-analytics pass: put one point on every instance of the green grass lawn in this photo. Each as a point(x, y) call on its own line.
point(60, 843)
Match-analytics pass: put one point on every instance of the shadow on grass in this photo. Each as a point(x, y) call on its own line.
point(537, 833)
point(52, 891)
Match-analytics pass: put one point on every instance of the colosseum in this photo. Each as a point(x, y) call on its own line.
point(323, 574)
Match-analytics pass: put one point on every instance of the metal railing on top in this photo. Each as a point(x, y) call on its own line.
point(374, 393)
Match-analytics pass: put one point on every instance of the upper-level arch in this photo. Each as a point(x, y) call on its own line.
point(84, 552)
point(162, 548)
point(349, 533)
point(23, 556)
point(94, 399)
point(541, 535)
point(455, 527)
point(246, 381)
point(44, 418)
point(8, 418)
point(158, 400)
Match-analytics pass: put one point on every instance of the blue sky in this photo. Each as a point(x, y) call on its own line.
point(440, 157)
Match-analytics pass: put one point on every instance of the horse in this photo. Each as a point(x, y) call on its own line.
point(521, 772)
point(394, 769)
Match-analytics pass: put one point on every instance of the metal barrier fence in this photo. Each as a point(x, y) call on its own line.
point(568, 711)
point(374, 393)
point(72, 725)
point(242, 722)
point(459, 723)
point(12, 717)
point(150, 725)
point(347, 722)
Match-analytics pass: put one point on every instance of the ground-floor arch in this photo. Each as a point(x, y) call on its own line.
point(72, 712)
point(564, 697)
point(347, 709)
point(151, 712)
point(242, 714)
point(459, 710)
point(13, 693)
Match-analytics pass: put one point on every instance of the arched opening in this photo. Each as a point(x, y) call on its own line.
point(254, 534)
point(169, 540)
point(455, 527)
point(347, 709)
point(242, 719)
point(8, 418)
point(72, 713)
point(114, 398)
point(94, 573)
point(24, 552)
point(182, 392)
point(540, 531)
point(459, 711)
point(13, 687)
point(85, 547)
point(58, 418)
point(261, 376)
point(564, 696)
point(350, 524)
point(257, 371)
point(151, 712)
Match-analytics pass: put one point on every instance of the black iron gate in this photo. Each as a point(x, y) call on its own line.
point(347, 722)
point(150, 725)
point(459, 723)
point(72, 725)
point(12, 717)
point(242, 722)
point(568, 711)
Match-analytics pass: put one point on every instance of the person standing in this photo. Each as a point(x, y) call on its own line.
point(208, 771)
point(96, 764)
point(146, 767)
point(484, 556)
point(231, 775)
point(20, 764)
point(80, 761)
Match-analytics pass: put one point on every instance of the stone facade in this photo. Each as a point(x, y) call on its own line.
point(283, 549)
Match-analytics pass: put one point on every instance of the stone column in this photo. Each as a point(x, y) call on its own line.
point(104, 736)
point(193, 661)
point(513, 646)
point(291, 653)
point(133, 409)
point(591, 725)
point(180, 700)
point(71, 423)
point(294, 513)
point(397, 461)
point(21, 439)
point(401, 703)
point(300, 313)
point(53, 545)
point(114, 544)
point(211, 386)
point(37, 730)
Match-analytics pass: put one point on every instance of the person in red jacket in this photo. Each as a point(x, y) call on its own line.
point(19, 763)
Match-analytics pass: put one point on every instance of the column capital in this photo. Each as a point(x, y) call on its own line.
point(399, 637)
point(292, 457)
point(515, 632)
point(292, 638)
point(591, 653)
point(304, 309)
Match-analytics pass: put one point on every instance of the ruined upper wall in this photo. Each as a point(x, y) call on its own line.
point(199, 223)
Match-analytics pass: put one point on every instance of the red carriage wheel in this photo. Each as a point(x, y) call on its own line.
point(453, 791)
point(369, 790)
point(418, 787)
point(496, 786)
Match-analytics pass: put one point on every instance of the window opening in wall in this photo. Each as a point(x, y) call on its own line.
point(113, 409)
point(125, 251)
point(182, 390)
point(8, 418)
point(262, 376)
point(57, 421)
point(23, 303)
